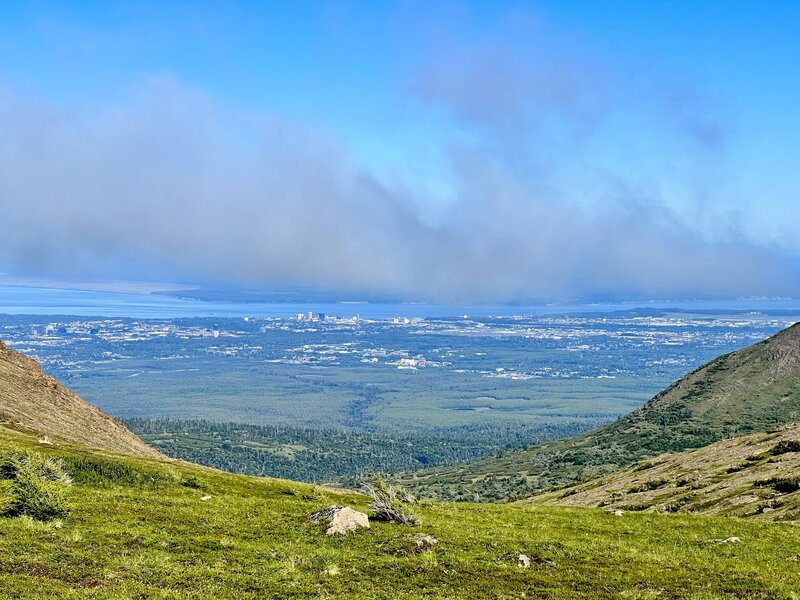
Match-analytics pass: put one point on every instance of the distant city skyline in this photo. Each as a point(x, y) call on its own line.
point(481, 151)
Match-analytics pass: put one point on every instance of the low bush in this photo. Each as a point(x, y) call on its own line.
point(389, 502)
point(193, 483)
point(756, 457)
point(644, 466)
point(647, 486)
point(99, 471)
point(36, 486)
point(785, 485)
point(785, 446)
point(739, 467)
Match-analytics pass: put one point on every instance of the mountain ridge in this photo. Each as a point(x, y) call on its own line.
point(747, 391)
point(32, 400)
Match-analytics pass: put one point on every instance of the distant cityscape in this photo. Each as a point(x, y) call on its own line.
point(670, 341)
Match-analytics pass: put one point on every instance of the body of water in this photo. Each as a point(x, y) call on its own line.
point(18, 300)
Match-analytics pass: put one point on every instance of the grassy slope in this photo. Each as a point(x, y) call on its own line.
point(127, 538)
point(752, 390)
point(754, 476)
point(29, 398)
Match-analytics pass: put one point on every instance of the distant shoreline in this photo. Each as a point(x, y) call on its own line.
point(27, 300)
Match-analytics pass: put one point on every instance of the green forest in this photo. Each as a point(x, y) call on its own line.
point(332, 455)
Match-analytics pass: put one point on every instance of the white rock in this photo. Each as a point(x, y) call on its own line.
point(524, 561)
point(341, 519)
point(618, 513)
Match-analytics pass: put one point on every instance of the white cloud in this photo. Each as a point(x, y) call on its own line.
point(170, 184)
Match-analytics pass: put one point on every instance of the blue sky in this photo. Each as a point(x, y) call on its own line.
point(461, 129)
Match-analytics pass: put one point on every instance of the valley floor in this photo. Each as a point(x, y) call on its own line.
point(144, 529)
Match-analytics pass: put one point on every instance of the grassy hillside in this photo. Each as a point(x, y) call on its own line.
point(748, 391)
point(139, 528)
point(31, 399)
point(755, 476)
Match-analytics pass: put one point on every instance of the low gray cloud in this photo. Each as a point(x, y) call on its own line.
point(171, 185)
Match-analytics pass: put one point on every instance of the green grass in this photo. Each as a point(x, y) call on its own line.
point(139, 529)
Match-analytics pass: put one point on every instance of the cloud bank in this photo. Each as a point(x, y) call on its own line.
point(171, 185)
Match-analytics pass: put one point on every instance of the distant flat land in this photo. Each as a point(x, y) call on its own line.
point(379, 375)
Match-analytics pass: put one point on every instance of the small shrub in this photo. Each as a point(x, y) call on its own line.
point(50, 469)
point(647, 486)
point(193, 483)
point(768, 505)
point(38, 498)
point(677, 505)
point(785, 485)
point(644, 466)
point(37, 487)
point(692, 481)
point(314, 494)
point(785, 446)
point(389, 501)
point(737, 468)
